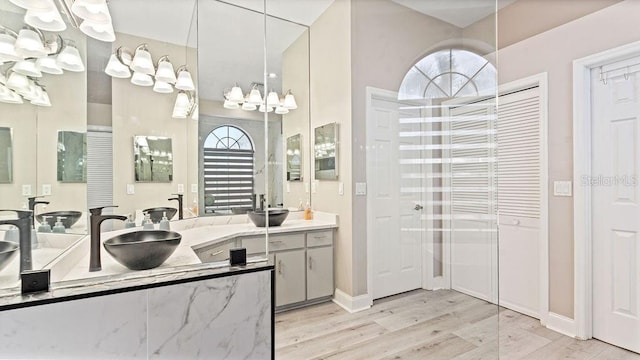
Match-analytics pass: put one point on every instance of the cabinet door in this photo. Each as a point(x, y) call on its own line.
point(290, 281)
point(319, 272)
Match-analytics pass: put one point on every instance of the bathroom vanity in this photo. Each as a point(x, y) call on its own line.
point(193, 304)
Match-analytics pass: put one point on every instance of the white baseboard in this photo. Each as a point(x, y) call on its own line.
point(350, 303)
point(561, 324)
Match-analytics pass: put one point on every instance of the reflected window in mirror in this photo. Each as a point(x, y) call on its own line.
point(6, 156)
point(153, 158)
point(72, 157)
point(294, 158)
point(228, 155)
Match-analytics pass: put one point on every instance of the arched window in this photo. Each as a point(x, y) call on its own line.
point(228, 170)
point(449, 73)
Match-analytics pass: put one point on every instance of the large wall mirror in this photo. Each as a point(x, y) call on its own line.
point(153, 159)
point(111, 109)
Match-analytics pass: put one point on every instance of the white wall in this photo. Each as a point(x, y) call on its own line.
point(330, 67)
point(554, 51)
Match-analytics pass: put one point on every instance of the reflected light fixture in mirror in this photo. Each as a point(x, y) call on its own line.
point(185, 105)
point(142, 62)
point(49, 65)
point(27, 68)
point(184, 80)
point(118, 64)
point(141, 79)
point(165, 72)
point(234, 99)
point(162, 87)
point(69, 58)
point(93, 15)
point(30, 43)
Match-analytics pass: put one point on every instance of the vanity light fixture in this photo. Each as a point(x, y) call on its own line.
point(27, 68)
point(165, 71)
point(8, 45)
point(184, 80)
point(236, 94)
point(162, 87)
point(49, 20)
point(49, 65)
point(289, 101)
point(255, 98)
point(141, 79)
point(92, 15)
point(234, 99)
point(30, 43)
point(69, 58)
point(117, 65)
point(142, 62)
point(185, 105)
point(25, 56)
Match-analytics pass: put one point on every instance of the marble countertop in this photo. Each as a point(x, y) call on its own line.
point(71, 271)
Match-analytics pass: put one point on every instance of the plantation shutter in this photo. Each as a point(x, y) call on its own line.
point(99, 169)
point(472, 158)
point(519, 160)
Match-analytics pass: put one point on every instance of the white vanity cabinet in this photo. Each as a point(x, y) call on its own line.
point(303, 264)
point(319, 264)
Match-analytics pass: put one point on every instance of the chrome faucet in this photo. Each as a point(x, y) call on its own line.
point(96, 219)
point(32, 206)
point(179, 199)
point(24, 224)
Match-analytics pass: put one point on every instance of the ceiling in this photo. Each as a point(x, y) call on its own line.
point(460, 13)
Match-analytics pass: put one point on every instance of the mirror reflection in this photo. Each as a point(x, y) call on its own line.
point(153, 159)
point(72, 156)
point(294, 158)
point(6, 156)
point(326, 152)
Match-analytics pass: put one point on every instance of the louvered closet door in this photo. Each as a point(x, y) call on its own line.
point(472, 199)
point(519, 189)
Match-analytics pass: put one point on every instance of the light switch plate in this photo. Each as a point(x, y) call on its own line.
point(26, 190)
point(180, 188)
point(288, 187)
point(361, 189)
point(314, 186)
point(194, 188)
point(562, 188)
point(46, 189)
point(131, 189)
point(306, 187)
point(340, 188)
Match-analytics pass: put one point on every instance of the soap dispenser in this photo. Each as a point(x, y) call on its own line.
point(129, 223)
point(59, 227)
point(164, 223)
point(147, 224)
point(44, 225)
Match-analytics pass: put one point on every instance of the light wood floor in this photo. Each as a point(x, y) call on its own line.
point(427, 325)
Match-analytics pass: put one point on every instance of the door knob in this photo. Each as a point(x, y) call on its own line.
point(418, 207)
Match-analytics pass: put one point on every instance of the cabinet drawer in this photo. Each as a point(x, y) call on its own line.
point(320, 238)
point(256, 245)
point(216, 253)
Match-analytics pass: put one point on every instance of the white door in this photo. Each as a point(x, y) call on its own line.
point(393, 220)
point(470, 204)
point(615, 206)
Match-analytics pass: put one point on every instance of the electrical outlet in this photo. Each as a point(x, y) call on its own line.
point(180, 188)
point(131, 189)
point(306, 187)
point(26, 190)
point(361, 189)
point(288, 187)
point(314, 186)
point(46, 189)
point(194, 188)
